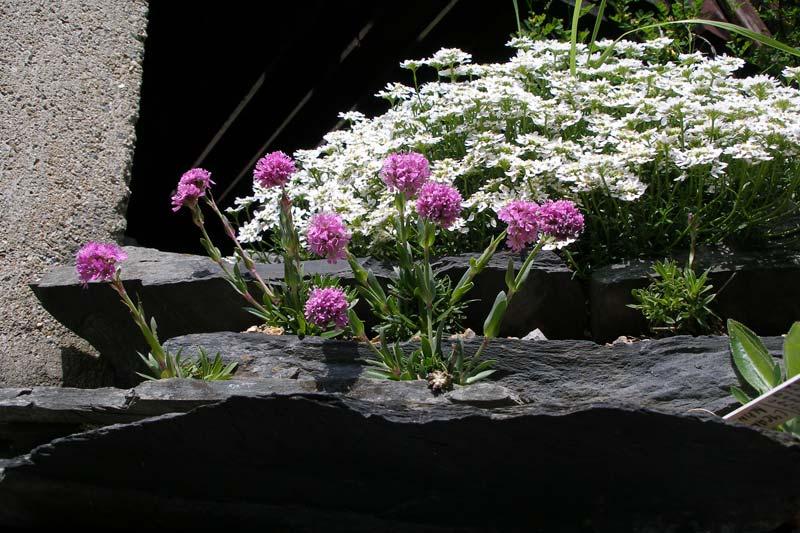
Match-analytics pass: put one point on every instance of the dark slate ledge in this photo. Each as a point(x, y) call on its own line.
point(318, 461)
point(187, 294)
point(671, 375)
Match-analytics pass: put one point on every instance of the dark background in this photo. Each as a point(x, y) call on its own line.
point(202, 60)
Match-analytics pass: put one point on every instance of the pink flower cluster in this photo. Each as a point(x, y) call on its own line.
point(274, 170)
point(327, 236)
point(560, 220)
point(325, 306)
point(192, 185)
point(527, 221)
point(439, 203)
point(97, 261)
point(405, 172)
point(522, 218)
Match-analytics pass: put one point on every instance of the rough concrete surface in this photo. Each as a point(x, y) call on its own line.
point(70, 74)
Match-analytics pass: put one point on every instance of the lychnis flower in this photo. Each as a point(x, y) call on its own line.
point(274, 170)
point(327, 236)
point(97, 261)
point(439, 203)
point(405, 172)
point(326, 306)
point(192, 185)
point(561, 221)
point(522, 218)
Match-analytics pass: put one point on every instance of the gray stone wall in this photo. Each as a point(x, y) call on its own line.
point(70, 73)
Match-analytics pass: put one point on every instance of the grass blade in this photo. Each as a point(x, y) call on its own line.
point(573, 37)
point(733, 28)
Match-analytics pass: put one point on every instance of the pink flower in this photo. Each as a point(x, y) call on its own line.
point(405, 172)
point(192, 185)
point(327, 236)
point(327, 305)
point(97, 261)
point(560, 220)
point(274, 170)
point(439, 203)
point(523, 223)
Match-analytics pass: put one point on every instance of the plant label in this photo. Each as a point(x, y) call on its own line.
point(773, 408)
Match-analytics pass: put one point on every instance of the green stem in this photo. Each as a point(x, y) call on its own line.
point(248, 261)
point(197, 217)
point(522, 275)
point(141, 321)
point(292, 266)
point(481, 348)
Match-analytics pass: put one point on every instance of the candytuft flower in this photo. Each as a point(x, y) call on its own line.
point(327, 236)
point(522, 218)
point(561, 220)
point(439, 203)
point(274, 170)
point(325, 306)
point(97, 261)
point(405, 172)
point(192, 185)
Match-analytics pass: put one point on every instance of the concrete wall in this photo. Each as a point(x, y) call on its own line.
point(70, 73)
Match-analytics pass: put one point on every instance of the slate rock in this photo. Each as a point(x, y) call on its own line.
point(312, 462)
point(672, 375)
point(108, 405)
point(535, 335)
point(762, 291)
point(185, 293)
point(483, 394)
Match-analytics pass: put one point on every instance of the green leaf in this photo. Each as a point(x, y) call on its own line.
point(751, 358)
point(356, 324)
point(597, 22)
point(425, 344)
point(791, 351)
point(740, 395)
point(491, 326)
point(331, 334)
point(733, 28)
point(510, 275)
point(479, 376)
point(573, 37)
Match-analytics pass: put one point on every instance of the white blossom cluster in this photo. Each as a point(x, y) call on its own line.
point(528, 129)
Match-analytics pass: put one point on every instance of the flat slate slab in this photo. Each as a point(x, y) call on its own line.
point(324, 462)
point(187, 294)
point(671, 375)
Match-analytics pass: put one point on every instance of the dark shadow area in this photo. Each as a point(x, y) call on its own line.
point(85, 371)
point(223, 84)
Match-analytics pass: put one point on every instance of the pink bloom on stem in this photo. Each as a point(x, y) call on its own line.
point(327, 236)
point(522, 218)
point(405, 172)
point(327, 305)
point(97, 261)
point(561, 220)
point(192, 185)
point(274, 170)
point(439, 203)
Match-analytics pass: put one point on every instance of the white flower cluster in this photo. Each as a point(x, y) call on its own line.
point(528, 129)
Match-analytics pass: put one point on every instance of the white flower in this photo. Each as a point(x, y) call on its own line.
point(526, 128)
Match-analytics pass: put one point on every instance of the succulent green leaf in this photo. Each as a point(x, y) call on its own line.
point(491, 327)
point(740, 395)
point(751, 358)
point(791, 351)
